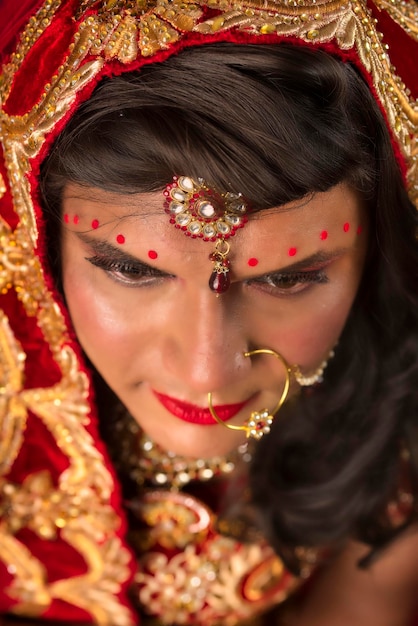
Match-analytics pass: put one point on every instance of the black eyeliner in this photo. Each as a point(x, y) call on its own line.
point(121, 264)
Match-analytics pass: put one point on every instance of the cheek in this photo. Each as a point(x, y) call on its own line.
point(103, 332)
point(315, 332)
point(307, 330)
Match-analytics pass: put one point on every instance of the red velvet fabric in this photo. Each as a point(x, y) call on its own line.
point(14, 16)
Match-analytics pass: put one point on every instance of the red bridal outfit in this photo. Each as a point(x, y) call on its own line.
point(66, 552)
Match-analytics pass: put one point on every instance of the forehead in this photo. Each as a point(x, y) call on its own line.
point(138, 226)
point(145, 206)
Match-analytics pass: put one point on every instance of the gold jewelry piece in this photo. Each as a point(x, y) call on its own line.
point(147, 464)
point(204, 213)
point(167, 469)
point(259, 422)
point(316, 377)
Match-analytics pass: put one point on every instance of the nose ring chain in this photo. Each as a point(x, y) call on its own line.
point(259, 422)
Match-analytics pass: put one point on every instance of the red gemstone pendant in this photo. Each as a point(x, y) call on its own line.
point(219, 282)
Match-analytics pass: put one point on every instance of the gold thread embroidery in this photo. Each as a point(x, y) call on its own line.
point(85, 484)
point(24, 136)
point(159, 23)
point(3, 188)
point(351, 25)
point(34, 29)
point(38, 506)
point(12, 410)
point(212, 580)
point(95, 592)
point(121, 28)
point(403, 13)
point(28, 585)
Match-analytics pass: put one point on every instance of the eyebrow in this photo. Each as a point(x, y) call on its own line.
point(100, 246)
point(322, 256)
point(111, 252)
point(105, 248)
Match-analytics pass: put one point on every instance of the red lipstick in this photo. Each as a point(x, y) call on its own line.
point(196, 414)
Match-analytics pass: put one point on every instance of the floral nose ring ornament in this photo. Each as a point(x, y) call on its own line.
point(204, 213)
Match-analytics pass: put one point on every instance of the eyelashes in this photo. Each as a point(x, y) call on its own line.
point(136, 274)
point(128, 273)
point(290, 283)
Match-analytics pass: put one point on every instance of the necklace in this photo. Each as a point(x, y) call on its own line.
point(162, 468)
point(148, 464)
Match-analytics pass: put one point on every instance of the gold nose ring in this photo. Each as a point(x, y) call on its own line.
point(259, 422)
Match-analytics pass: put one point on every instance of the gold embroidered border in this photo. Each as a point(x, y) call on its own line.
point(34, 29)
point(85, 485)
point(124, 28)
point(77, 507)
point(403, 13)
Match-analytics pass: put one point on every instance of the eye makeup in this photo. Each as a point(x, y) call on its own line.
point(131, 271)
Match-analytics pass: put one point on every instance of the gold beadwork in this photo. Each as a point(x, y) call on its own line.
point(215, 580)
point(34, 29)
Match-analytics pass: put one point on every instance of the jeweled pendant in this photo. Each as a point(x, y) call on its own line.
point(208, 214)
point(219, 281)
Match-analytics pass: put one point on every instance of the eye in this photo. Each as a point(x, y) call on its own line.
point(131, 274)
point(283, 284)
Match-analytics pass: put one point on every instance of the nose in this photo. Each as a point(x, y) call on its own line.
point(205, 346)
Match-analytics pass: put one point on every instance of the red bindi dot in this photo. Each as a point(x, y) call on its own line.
point(95, 224)
point(324, 234)
point(76, 219)
point(346, 227)
point(66, 218)
point(252, 262)
point(359, 230)
point(152, 254)
point(292, 251)
point(120, 239)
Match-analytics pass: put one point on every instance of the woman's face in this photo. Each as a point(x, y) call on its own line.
point(138, 295)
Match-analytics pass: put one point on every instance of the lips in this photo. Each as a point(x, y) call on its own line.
point(197, 415)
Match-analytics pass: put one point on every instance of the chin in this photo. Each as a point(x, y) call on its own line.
point(196, 441)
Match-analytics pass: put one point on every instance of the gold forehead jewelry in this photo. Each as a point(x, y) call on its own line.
point(259, 422)
point(204, 213)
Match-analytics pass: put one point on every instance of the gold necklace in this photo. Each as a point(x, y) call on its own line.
point(148, 464)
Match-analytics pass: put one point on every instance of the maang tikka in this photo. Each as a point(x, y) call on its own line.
point(202, 212)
